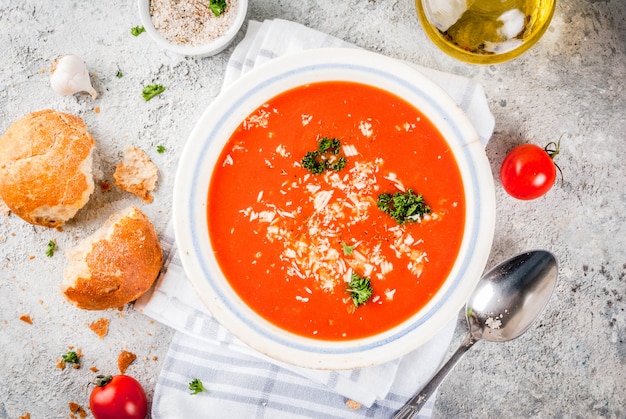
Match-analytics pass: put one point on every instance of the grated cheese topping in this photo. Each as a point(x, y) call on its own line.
point(335, 201)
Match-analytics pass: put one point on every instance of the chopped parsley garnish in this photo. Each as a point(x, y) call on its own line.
point(217, 7)
point(118, 74)
point(151, 91)
point(403, 207)
point(50, 248)
point(330, 145)
point(360, 288)
point(71, 357)
point(160, 149)
point(137, 30)
point(311, 162)
point(347, 250)
point(326, 157)
point(196, 386)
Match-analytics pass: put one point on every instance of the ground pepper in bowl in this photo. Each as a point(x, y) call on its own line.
point(193, 22)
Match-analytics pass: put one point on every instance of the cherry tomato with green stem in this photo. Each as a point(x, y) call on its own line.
point(528, 171)
point(118, 397)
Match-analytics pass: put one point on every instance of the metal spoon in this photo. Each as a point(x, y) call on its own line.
point(505, 303)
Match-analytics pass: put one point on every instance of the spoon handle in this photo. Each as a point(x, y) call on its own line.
point(415, 404)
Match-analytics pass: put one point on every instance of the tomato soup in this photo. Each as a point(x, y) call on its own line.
point(289, 240)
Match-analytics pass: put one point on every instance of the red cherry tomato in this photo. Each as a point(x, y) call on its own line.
point(528, 171)
point(118, 397)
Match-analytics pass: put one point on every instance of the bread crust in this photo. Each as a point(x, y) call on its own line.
point(115, 265)
point(45, 167)
point(136, 174)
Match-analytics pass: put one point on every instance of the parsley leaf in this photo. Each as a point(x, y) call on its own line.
point(151, 91)
point(118, 74)
point(311, 162)
point(337, 165)
point(160, 149)
point(71, 357)
point(50, 248)
point(347, 250)
point(196, 386)
point(137, 30)
point(360, 288)
point(326, 157)
point(328, 145)
point(403, 207)
point(217, 7)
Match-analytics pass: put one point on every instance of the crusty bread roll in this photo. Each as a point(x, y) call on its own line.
point(46, 167)
point(115, 265)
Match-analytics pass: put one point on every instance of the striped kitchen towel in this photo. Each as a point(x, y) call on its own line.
point(242, 383)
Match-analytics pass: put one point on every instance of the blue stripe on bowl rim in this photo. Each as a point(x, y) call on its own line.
point(320, 349)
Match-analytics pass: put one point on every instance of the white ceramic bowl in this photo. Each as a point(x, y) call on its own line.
point(204, 50)
point(215, 127)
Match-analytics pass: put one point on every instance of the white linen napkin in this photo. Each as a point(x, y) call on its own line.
point(243, 383)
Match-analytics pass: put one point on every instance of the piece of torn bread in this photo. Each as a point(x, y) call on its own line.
point(115, 265)
point(46, 167)
point(136, 173)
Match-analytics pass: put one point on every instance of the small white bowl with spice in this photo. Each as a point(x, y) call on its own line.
point(198, 28)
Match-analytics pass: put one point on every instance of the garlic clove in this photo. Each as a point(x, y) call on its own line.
point(69, 75)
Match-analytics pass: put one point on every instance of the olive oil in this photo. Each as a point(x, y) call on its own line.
point(485, 31)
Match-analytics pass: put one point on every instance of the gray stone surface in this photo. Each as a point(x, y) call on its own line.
point(571, 364)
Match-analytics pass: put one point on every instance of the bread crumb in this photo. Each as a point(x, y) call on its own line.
point(94, 369)
point(77, 409)
point(31, 257)
point(124, 359)
point(60, 364)
point(353, 405)
point(96, 109)
point(100, 327)
point(25, 416)
point(136, 173)
point(105, 186)
point(26, 319)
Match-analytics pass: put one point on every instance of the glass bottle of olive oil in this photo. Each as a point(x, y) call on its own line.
point(485, 31)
